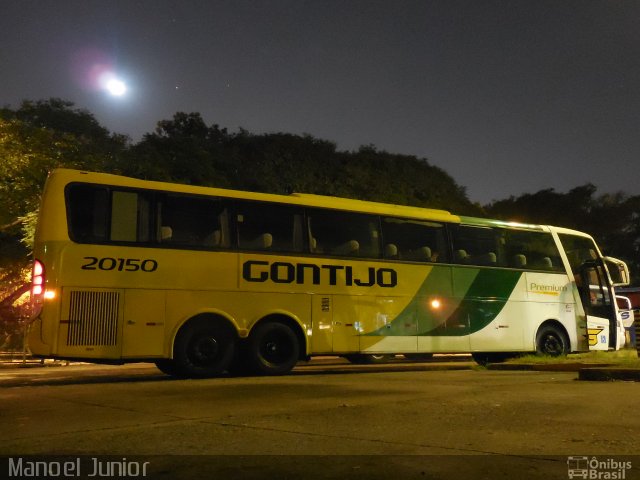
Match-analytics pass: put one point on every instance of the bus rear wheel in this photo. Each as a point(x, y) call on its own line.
point(167, 366)
point(551, 341)
point(272, 349)
point(203, 348)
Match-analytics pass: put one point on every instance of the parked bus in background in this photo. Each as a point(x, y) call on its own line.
point(205, 280)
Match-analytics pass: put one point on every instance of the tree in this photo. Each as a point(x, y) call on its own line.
point(181, 150)
point(185, 150)
point(38, 137)
point(14, 306)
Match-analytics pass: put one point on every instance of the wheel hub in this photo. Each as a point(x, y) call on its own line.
point(206, 349)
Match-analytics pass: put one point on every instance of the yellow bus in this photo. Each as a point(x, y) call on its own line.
point(204, 281)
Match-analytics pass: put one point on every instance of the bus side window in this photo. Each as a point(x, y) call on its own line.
point(344, 233)
point(190, 221)
point(476, 245)
point(413, 240)
point(531, 250)
point(87, 213)
point(269, 226)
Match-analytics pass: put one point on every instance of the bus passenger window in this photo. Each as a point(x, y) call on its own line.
point(344, 234)
point(414, 240)
point(476, 245)
point(531, 250)
point(191, 221)
point(87, 212)
point(269, 226)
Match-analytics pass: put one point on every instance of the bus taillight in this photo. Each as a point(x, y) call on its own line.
point(37, 282)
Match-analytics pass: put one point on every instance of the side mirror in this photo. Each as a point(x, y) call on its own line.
point(618, 272)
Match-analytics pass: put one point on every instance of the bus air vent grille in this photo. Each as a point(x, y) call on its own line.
point(93, 318)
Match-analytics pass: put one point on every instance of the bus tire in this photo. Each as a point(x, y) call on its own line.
point(272, 348)
point(204, 348)
point(167, 366)
point(418, 357)
point(551, 341)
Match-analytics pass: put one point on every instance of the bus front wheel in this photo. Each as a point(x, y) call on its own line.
point(551, 341)
point(272, 349)
point(203, 348)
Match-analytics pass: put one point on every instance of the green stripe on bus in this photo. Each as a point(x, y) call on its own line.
point(481, 304)
point(437, 284)
point(480, 295)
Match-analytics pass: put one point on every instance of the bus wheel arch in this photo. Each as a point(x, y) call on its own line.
point(274, 345)
point(552, 339)
point(204, 346)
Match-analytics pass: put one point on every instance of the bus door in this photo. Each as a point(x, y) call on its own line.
point(599, 306)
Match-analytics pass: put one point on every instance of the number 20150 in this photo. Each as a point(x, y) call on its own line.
point(120, 264)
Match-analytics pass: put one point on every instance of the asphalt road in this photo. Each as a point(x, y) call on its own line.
point(324, 421)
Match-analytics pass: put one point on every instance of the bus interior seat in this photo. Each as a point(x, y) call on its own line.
point(351, 247)
point(519, 260)
point(424, 253)
point(313, 245)
point(166, 233)
point(461, 256)
point(214, 239)
point(488, 258)
point(420, 254)
point(261, 242)
point(547, 263)
point(390, 251)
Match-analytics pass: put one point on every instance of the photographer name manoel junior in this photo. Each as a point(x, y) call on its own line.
point(79, 467)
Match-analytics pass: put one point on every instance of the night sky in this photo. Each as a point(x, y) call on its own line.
point(507, 96)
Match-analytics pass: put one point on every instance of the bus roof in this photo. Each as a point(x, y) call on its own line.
point(517, 225)
point(63, 176)
point(499, 223)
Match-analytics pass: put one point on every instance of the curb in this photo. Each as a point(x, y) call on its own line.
point(547, 367)
point(609, 374)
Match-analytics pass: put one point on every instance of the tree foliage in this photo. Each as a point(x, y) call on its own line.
point(186, 150)
point(14, 307)
point(40, 136)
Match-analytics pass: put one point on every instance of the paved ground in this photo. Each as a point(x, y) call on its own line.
point(324, 421)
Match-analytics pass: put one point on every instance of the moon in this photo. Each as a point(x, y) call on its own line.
point(110, 82)
point(116, 87)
